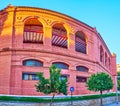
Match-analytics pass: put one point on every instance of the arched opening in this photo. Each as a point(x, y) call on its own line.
point(59, 35)
point(106, 59)
point(32, 62)
point(109, 62)
point(80, 42)
point(61, 65)
point(82, 68)
point(101, 54)
point(33, 31)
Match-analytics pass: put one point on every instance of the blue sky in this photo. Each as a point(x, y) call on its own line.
point(102, 14)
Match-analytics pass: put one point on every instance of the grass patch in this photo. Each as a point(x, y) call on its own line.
point(65, 99)
point(23, 99)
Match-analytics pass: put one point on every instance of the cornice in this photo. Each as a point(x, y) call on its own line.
point(100, 37)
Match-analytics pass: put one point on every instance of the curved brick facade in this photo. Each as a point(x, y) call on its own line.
point(46, 36)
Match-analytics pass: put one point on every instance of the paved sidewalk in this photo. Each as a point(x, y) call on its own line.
point(113, 104)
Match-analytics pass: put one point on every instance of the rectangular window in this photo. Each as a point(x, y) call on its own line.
point(81, 79)
point(34, 77)
point(63, 77)
point(29, 76)
point(25, 76)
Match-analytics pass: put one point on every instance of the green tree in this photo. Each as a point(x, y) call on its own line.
point(99, 82)
point(53, 85)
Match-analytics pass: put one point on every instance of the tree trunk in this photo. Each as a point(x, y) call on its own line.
point(100, 98)
point(52, 99)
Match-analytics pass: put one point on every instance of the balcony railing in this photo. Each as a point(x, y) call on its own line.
point(59, 40)
point(33, 37)
point(80, 45)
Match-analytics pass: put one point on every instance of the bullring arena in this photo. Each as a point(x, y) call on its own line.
point(32, 39)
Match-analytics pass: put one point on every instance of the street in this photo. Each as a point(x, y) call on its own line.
point(113, 104)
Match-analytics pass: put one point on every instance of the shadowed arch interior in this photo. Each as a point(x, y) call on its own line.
point(101, 54)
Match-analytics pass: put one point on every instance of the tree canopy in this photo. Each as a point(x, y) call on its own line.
point(54, 84)
point(99, 82)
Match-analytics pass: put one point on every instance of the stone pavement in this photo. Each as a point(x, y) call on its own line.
point(113, 104)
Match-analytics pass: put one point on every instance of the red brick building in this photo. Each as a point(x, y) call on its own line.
point(32, 39)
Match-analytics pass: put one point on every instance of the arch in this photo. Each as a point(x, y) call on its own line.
point(82, 68)
point(59, 35)
point(61, 61)
point(61, 65)
point(42, 21)
point(101, 54)
point(33, 58)
point(33, 31)
point(32, 62)
point(65, 25)
point(80, 42)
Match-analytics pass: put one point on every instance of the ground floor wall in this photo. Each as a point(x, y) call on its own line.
point(17, 86)
point(5, 72)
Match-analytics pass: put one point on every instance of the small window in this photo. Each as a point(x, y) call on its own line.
point(109, 62)
point(101, 54)
point(32, 63)
point(29, 76)
point(81, 79)
point(106, 59)
point(61, 65)
point(82, 68)
point(63, 77)
point(25, 76)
